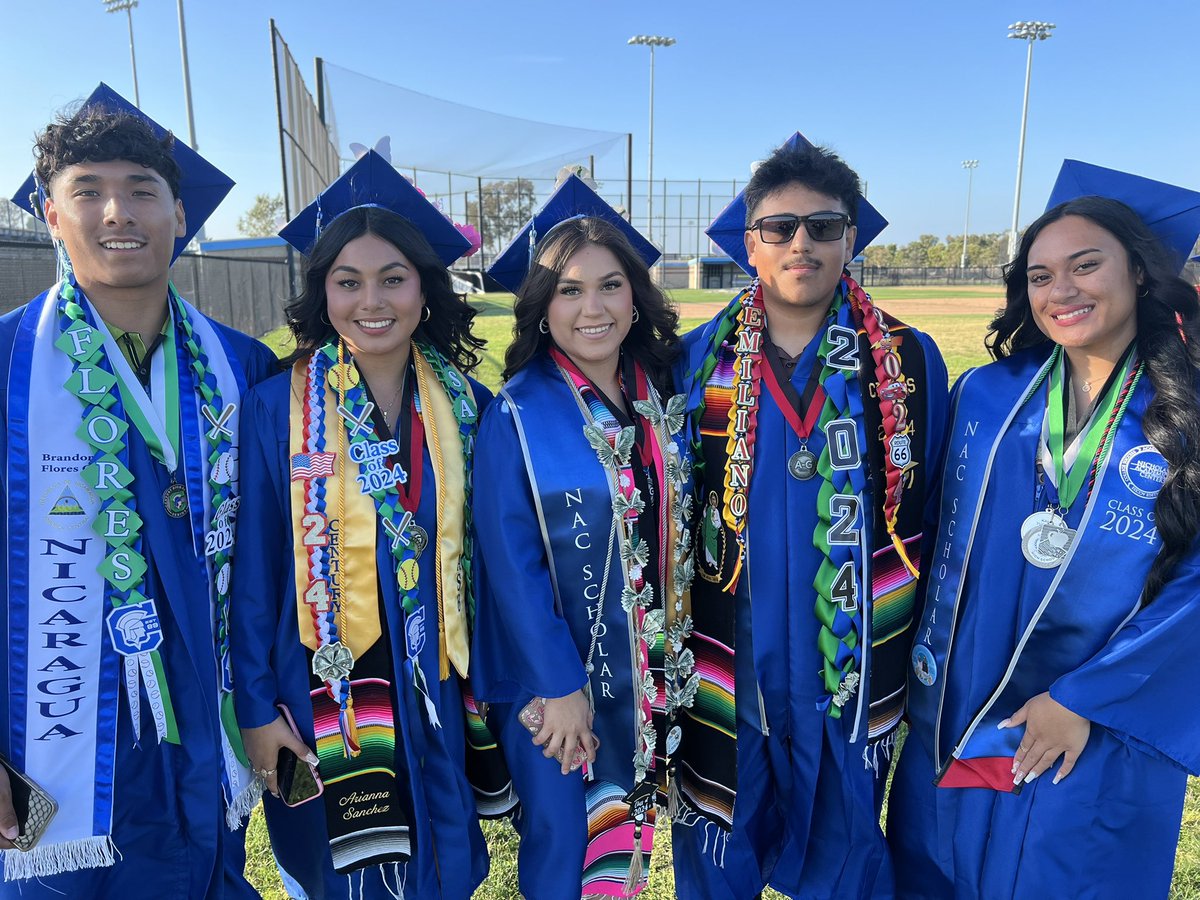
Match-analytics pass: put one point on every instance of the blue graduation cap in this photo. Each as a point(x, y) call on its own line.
point(573, 199)
point(372, 181)
point(1172, 213)
point(728, 229)
point(202, 186)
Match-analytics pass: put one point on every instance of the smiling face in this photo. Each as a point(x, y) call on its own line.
point(1082, 288)
point(802, 272)
point(592, 310)
point(118, 221)
point(374, 299)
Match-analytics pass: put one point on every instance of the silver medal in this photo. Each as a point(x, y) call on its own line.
point(1046, 539)
point(420, 539)
point(803, 464)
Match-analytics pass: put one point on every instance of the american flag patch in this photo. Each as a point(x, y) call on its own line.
point(306, 466)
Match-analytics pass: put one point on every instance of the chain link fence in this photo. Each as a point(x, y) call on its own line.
point(245, 294)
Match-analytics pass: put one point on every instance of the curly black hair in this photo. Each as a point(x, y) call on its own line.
point(95, 134)
point(448, 328)
point(653, 340)
point(817, 168)
point(1168, 342)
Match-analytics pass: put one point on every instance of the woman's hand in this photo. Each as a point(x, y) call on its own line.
point(263, 744)
point(1051, 731)
point(567, 724)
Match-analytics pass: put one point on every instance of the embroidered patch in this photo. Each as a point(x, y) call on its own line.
point(1144, 471)
point(134, 628)
point(924, 665)
point(414, 632)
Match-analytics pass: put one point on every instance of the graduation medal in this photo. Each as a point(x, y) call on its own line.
point(175, 500)
point(1046, 539)
point(803, 464)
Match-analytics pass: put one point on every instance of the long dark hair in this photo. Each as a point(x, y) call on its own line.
point(1168, 342)
point(653, 340)
point(448, 328)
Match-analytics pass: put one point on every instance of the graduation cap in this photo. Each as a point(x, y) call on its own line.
point(573, 199)
point(373, 181)
point(202, 186)
point(1172, 213)
point(728, 229)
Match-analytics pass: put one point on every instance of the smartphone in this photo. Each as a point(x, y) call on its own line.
point(533, 714)
point(33, 806)
point(298, 781)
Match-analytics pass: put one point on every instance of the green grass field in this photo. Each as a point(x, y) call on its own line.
point(957, 318)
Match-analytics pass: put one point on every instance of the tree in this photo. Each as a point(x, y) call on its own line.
point(928, 250)
point(264, 217)
point(507, 205)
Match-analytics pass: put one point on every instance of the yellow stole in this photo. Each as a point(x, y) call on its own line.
point(352, 526)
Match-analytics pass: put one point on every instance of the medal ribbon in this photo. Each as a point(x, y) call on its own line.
point(1069, 478)
point(812, 401)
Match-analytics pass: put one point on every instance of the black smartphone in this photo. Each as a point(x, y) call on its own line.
point(298, 781)
point(33, 806)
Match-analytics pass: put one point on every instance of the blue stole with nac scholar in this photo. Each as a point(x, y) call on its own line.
point(1091, 595)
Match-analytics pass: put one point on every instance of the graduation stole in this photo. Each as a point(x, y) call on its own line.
point(1106, 563)
point(884, 403)
point(65, 737)
point(337, 579)
point(621, 826)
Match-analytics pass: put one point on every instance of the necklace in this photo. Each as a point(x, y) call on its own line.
point(387, 410)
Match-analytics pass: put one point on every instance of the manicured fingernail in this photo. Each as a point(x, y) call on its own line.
point(1002, 724)
point(1017, 778)
point(1013, 771)
point(312, 760)
point(1030, 777)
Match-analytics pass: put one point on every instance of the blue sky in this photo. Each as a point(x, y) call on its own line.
point(904, 91)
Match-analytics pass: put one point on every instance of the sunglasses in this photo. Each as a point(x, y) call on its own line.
point(822, 226)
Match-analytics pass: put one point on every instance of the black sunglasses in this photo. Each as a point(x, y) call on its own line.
point(822, 226)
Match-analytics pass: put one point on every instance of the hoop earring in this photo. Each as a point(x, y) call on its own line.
point(1145, 292)
point(324, 318)
point(544, 326)
point(636, 316)
point(426, 315)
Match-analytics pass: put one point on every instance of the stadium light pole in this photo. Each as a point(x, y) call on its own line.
point(116, 6)
point(970, 165)
point(1032, 32)
point(651, 41)
point(187, 93)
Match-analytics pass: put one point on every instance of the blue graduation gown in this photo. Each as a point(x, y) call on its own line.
point(168, 813)
point(806, 818)
point(271, 667)
point(1110, 829)
point(534, 622)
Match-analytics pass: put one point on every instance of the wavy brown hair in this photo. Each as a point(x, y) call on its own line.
point(1168, 342)
point(449, 327)
point(653, 340)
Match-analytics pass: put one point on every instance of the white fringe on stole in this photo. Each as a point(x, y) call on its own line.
point(52, 859)
point(237, 812)
point(871, 752)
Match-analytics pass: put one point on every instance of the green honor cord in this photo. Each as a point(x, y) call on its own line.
point(1069, 481)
